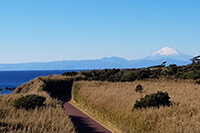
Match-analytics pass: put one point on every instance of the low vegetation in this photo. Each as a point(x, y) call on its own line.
point(190, 71)
point(22, 111)
point(139, 88)
point(153, 100)
point(29, 102)
point(114, 102)
point(54, 85)
point(168, 100)
point(48, 119)
point(198, 82)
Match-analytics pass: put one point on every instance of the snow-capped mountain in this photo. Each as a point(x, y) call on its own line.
point(169, 53)
point(166, 51)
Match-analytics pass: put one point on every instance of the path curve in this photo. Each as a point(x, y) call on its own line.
point(82, 122)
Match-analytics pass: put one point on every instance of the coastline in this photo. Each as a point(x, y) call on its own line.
point(3, 92)
point(9, 80)
point(7, 90)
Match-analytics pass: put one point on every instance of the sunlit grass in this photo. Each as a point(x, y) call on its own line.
point(114, 102)
point(48, 119)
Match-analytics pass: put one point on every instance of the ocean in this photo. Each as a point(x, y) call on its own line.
point(12, 79)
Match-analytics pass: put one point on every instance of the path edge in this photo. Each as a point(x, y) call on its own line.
point(110, 126)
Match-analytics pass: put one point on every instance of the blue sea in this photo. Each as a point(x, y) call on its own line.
point(12, 79)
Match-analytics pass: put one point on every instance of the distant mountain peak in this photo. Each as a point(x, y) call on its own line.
point(166, 51)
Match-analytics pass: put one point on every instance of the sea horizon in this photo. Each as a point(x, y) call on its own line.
point(15, 78)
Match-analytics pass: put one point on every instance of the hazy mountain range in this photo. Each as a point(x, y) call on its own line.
point(167, 54)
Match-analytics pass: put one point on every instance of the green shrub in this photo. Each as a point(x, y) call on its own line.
point(173, 69)
point(198, 82)
point(29, 102)
point(139, 88)
point(57, 87)
point(153, 100)
point(109, 75)
point(128, 76)
point(73, 73)
point(143, 74)
point(155, 73)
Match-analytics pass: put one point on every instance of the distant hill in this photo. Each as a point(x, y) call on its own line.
point(167, 54)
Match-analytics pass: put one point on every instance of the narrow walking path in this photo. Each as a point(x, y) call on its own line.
point(82, 122)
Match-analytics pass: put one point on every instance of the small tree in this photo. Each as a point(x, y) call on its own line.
point(195, 59)
point(173, 69)
point(139, 88)
point(163, 64)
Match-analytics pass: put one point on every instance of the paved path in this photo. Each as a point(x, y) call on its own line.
point(82, 122)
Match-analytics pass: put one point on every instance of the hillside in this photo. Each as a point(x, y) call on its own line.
point(190, 71)
point(109, 94)
point(47, 119)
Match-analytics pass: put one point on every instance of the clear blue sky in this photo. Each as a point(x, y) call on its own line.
point(48, 30)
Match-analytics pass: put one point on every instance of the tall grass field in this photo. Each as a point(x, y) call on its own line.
point(50, 118)
point(113, 102)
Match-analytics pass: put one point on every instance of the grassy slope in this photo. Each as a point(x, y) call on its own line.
point(109, 101)
point(114, 102)
point(49, 119)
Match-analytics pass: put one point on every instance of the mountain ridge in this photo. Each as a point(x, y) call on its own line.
point(173, 57)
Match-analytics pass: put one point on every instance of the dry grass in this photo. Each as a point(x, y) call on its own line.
point(37, 84)
point(114, 102)
point(48, 119)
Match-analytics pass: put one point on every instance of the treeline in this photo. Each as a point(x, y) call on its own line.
point(190, 71)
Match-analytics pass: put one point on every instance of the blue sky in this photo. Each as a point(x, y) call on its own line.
point(48, 30)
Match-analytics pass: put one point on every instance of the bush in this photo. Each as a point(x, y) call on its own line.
point(73, 73)
point(128, 76)
point(29, 102)
point(198, 82)
point(139, 88)
point(143, 74)
point(57, 87)
point(153, 100)
point(173, 69)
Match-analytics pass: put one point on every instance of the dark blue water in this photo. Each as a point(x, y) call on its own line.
point(6, 92)
point(12, 79)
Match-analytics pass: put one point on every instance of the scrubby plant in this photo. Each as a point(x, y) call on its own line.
point(128, 76)
point(155, 73)
point(190, 71)
point(73, 73)
point(198, 82)
point(143, 74)
point(57, 87)
point(173, 69)
point(139, 88)
point(29, 102)
point(153, 100)
point(195, 59)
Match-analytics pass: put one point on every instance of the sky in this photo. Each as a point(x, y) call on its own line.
point(52, 30)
